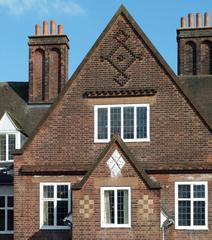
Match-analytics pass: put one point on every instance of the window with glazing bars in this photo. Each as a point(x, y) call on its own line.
point(6, 214)
point(55, 205)
point(130, 121)
point(191, 205)
point(7, 146)
point(115, 207)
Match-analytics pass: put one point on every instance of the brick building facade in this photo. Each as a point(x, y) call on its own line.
point(123, 152)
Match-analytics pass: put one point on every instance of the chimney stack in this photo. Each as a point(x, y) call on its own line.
point(48, 63)
point(195, 45)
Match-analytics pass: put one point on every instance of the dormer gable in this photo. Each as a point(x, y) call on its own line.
point(7, 124)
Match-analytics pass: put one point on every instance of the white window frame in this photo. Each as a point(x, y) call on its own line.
point(6, 208)
point(55, 199)
point(17, 143)
point(115, 225)
point(191, 199)
point(135, 139)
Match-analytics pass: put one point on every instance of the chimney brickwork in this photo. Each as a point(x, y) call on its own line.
point(195, 46)
point(48, 63)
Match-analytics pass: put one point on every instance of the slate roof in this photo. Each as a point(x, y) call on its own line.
point(13, 99)
point(199, 91)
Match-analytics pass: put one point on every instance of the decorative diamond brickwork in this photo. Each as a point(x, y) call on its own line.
point(121, 57)
point(86, 207)
point(145, 207)
point(115, 163)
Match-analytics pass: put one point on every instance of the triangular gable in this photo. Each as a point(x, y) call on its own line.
point(7, 123)
point(124, 149)
point(121, 11)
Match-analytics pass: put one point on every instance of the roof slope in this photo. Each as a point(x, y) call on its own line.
point(13, 99)
point(199, 90)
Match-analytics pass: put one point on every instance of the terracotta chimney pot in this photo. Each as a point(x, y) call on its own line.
point(207, 19)
point(199, 20)
point(183, 22)
point(60, 29)
point(37, 29)
point(45, 27)
point(191, 20)
point(52, 27)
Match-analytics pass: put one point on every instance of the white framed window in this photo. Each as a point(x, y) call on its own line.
point(9, 141)
point(115, 207)
point(130, 121)
point(6, 214)
point(191, 205)
point(55, 205)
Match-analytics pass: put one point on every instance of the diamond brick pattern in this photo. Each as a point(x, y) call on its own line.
point(121, 56)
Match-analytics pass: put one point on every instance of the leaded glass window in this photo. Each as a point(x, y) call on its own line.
point(55, 205)
point(130, 121)
point(115, 207)
point(6, 214)
point(191, 205)
point(7, 146)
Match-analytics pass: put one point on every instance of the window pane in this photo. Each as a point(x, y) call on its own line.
point(10, 220)
point(199, 191)
point(184, 191)
point(48, 191)
point(115, 120)
point(2, 220)
point(11, 142)
point(102, 123)
point(184, 213)
point(48, 213)
point(2, 202)
point(62, 191)
point(109, 207)
point(10, 201)
point(141, 122)
point(199, 213)
point(122, 206)
point(62, 212)
point(128, 122)
point(2, 147)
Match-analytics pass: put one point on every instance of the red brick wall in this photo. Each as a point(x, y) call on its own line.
point(90, 228)
point(168, 201)
point(177, 135)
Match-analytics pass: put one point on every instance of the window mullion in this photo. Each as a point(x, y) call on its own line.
point(192, 206)
point(55, 205)
point(5, 226)
point(108, 124)
point(135, 122)
point(115, 203)
point(122, 123)
point(7, 147)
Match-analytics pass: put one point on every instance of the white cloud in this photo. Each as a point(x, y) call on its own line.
point(19, 7)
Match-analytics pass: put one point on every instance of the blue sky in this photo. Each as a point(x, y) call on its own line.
point(83, 21)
